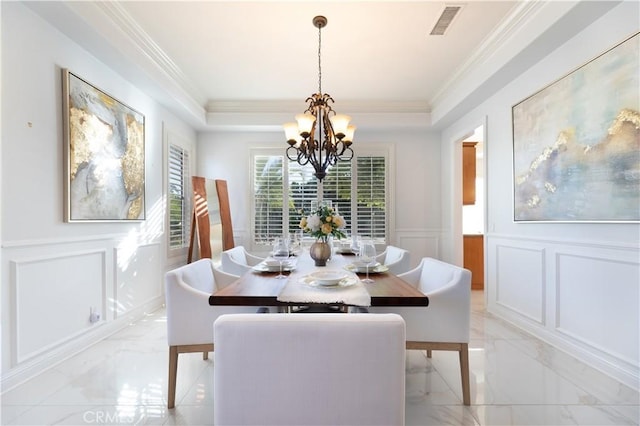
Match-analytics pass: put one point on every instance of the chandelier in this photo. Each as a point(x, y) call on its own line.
point(320, 137)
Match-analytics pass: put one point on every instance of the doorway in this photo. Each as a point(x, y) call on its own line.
point(473, 206)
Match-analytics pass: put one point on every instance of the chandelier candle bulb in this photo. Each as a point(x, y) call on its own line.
point(348, 137)
point(305, 124)
point(291, 132)
point(340, 122)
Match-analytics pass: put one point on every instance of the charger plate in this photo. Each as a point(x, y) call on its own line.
point(360, 269)
point(263, 267)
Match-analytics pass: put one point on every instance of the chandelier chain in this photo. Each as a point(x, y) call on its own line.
point(319, 60)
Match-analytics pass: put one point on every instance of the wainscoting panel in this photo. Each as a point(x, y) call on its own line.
point(594, 297)
point(134, 267)
point(582, 297)
point(520, 280)
point(53, 298)
point(419, 243)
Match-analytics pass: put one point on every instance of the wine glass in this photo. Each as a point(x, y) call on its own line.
point(294, 243)
point(368, 257)
point(280, 253)
point(355, 244)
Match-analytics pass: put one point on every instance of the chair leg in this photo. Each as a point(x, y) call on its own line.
point(205, 356)
point(464, 373)
point(428, 353)
point(173, 372)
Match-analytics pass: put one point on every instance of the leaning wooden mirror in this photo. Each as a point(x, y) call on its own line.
point(211, 219)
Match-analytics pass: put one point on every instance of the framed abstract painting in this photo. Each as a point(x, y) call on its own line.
point(576, 143)
point(104, 154)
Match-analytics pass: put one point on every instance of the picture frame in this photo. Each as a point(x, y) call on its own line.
point(576, 143)
point(104, 152)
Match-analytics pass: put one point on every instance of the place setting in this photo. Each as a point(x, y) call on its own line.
point(280, 260)
point(325, 286)
point(366, 262)
point(273, 265)
point(360, 267)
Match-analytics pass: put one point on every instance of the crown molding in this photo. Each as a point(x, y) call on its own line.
point(261, 115)
point(494, 42)
point(530, 33)
point(293, 107)
point(145, 44)
point(105, 29)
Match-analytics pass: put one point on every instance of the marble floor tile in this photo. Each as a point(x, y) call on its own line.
point(516, 379)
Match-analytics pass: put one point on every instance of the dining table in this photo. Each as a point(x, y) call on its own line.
point(261, 287)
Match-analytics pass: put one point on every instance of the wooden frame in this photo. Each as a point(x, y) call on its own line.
point(575, 143)
point(104, 155)
point(211, 218)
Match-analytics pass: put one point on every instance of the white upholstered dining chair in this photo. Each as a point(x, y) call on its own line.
point(238, 260)
point(398, 260)
point(445, 323)
point(314, 369)
point(189, 315)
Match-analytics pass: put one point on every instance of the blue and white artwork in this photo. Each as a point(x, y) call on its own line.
point(576, 143)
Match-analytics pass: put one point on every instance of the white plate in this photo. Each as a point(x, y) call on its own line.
point(375, 269)
point(346, 282)
point(361, 264)
point(328, 277)
point(263, 267)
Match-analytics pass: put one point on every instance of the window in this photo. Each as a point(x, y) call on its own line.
point(179, 196)
point(356, 188)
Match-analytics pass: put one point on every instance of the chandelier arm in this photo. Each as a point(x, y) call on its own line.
point(300, 158)
point(349, 150)
point(295, 157)
point(303, 160)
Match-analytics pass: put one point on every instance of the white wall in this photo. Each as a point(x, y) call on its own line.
point(54, 272)
point(575, 285)
point(416, 169)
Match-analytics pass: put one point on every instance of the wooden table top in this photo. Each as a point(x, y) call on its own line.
point(262, 288)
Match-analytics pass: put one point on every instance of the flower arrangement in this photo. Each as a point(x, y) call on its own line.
point(322, 223)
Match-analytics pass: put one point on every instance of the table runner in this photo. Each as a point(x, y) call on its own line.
point(296, 290)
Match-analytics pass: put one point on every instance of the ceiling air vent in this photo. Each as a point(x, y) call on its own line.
point(445, 20)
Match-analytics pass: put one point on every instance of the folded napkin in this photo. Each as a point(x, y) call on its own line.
point(302, 290)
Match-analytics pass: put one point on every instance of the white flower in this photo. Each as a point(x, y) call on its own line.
point(314, 223)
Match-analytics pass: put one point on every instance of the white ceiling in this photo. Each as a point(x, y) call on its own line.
point(269, 50)
point(211, 61)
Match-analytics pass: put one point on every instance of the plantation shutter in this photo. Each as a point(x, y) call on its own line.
point(179, 196)
point(268, 190)
point(371, 197)
point(303, 188)
point(337, 188)
point(283, 188)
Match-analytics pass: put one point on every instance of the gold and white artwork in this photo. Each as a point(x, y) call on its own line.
point(105, 154)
